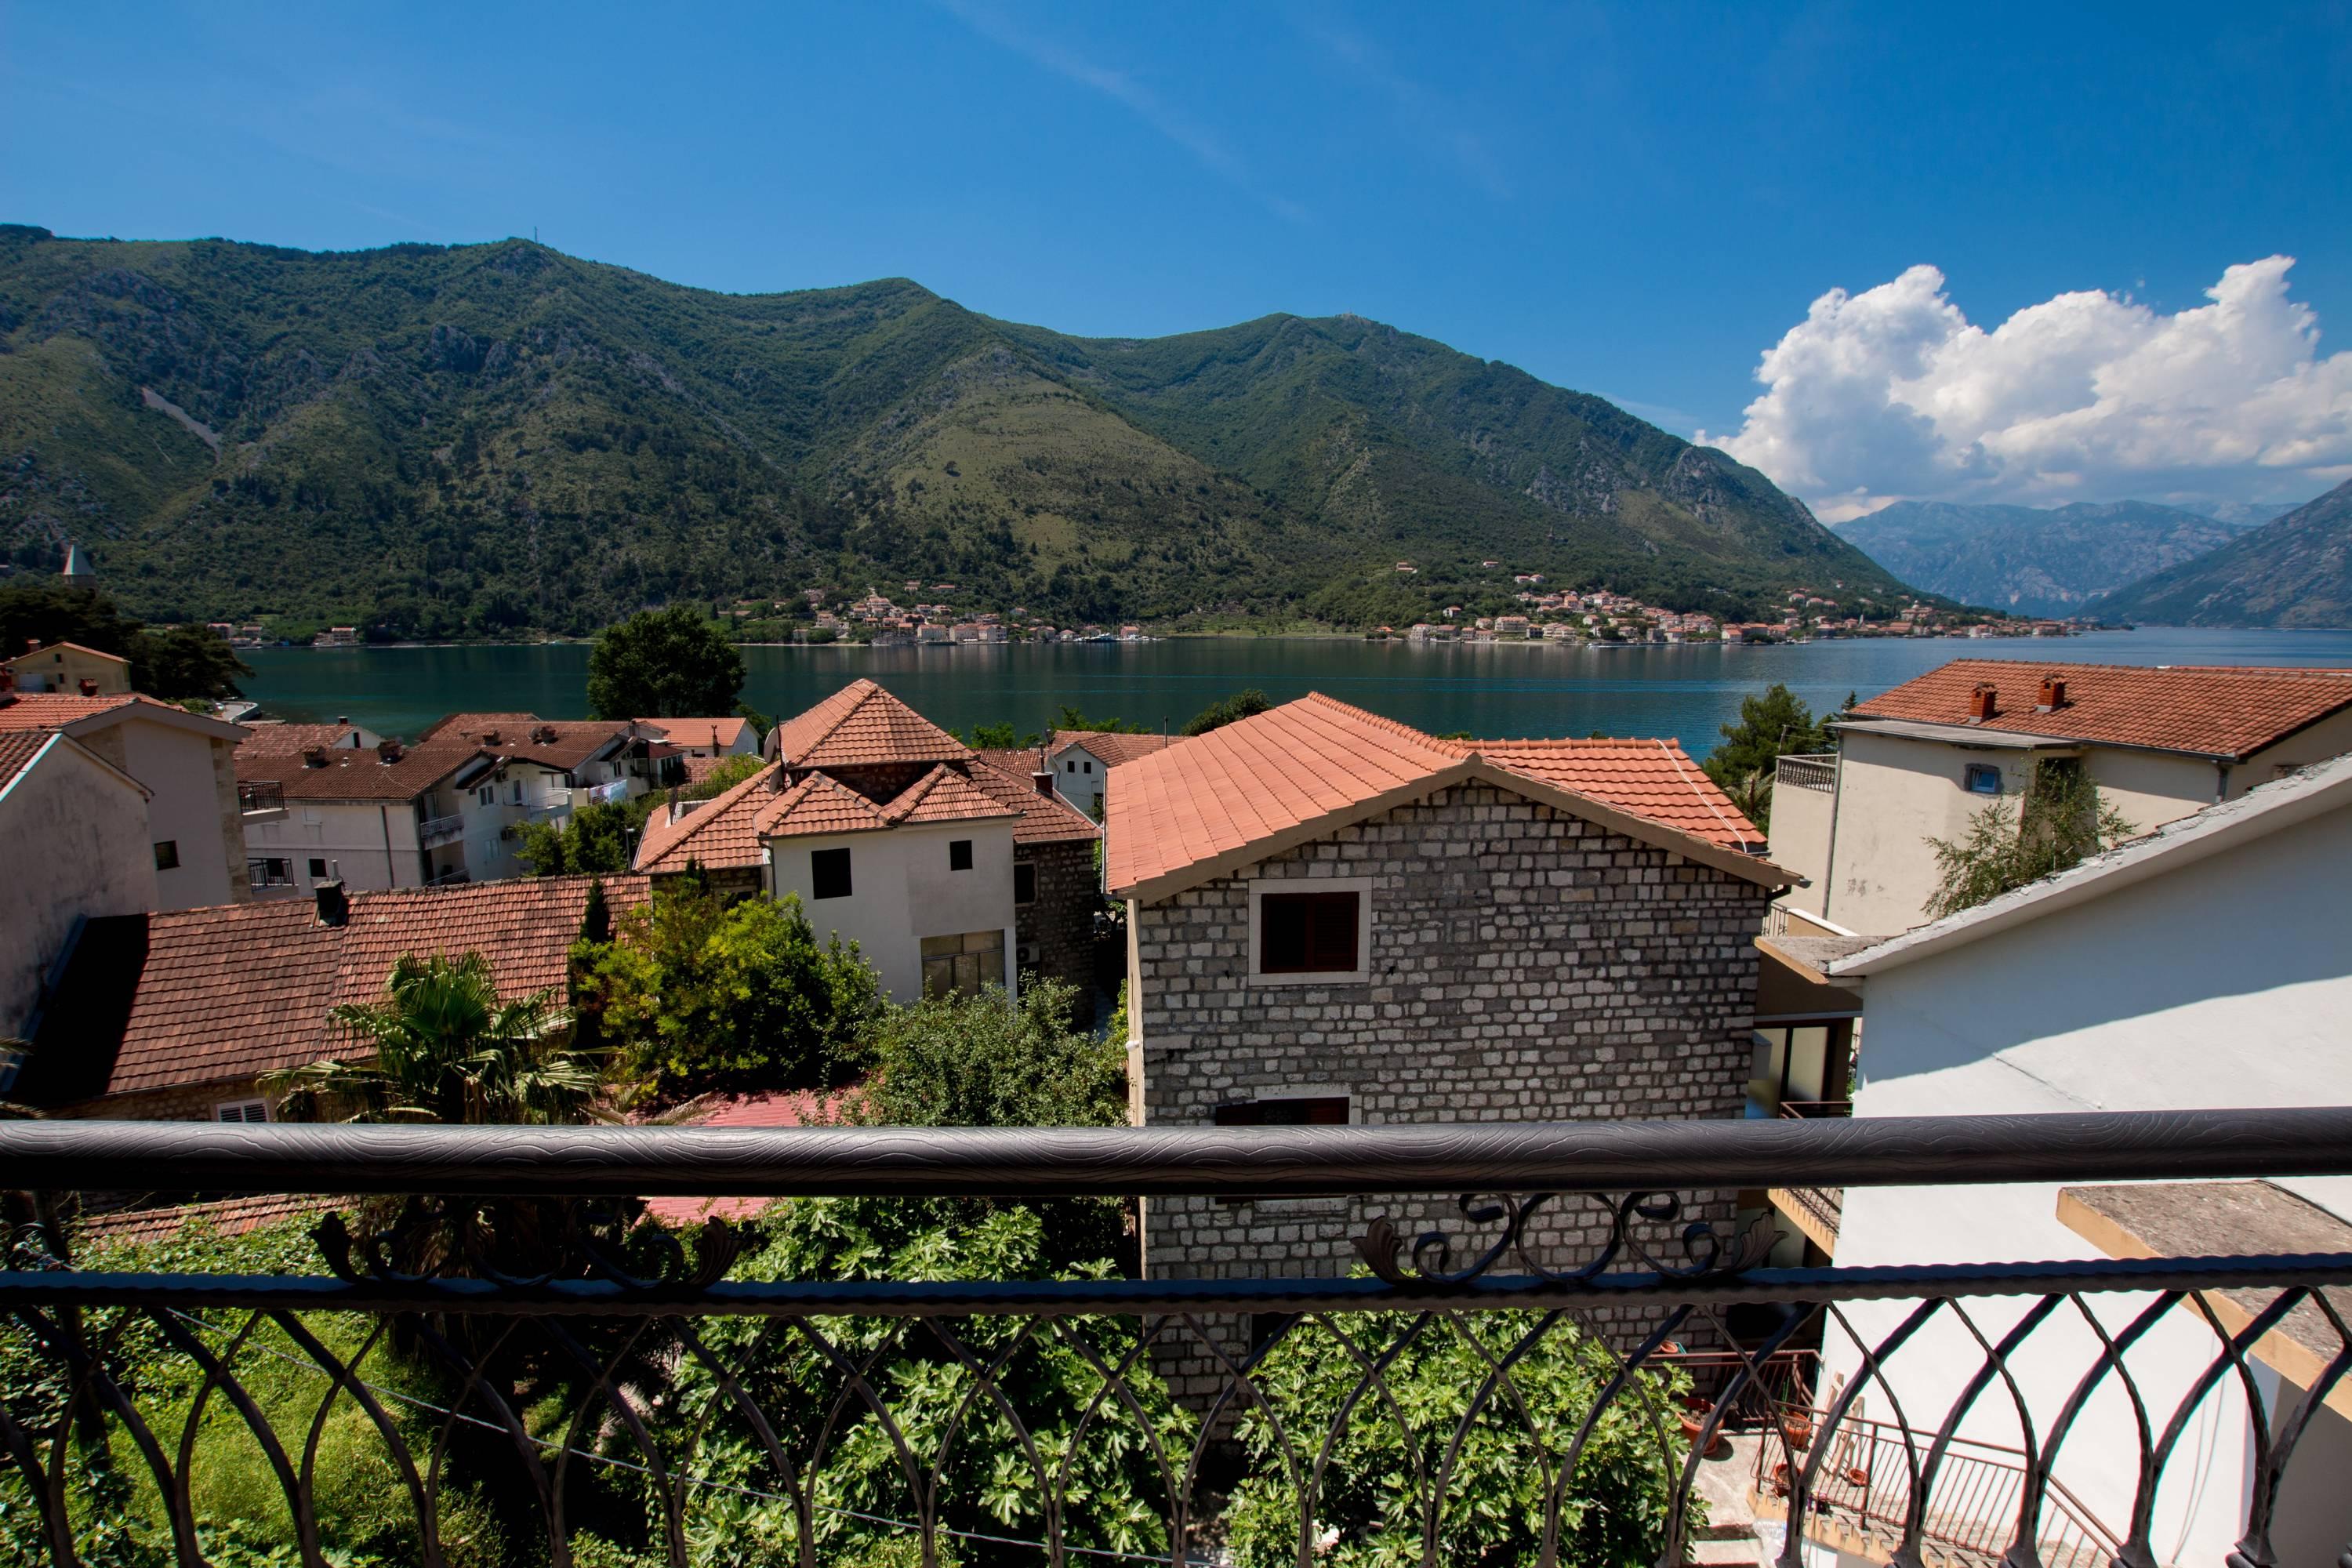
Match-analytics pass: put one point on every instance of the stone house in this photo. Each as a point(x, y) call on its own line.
point(1916, 762)
point(1334, 918)
point(175, 1016)
point(949, 868)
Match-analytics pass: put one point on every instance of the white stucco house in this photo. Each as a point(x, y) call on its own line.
point(1916, 762)
point(73, 835)
point(2208, 965)
point(1081, 762)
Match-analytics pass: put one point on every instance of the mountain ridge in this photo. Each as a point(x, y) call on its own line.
point(2292, 571)
point(482, 438)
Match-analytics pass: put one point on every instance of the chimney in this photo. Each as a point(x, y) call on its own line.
point(2053, 696)
point(387, 752)
point(1044, 779)
point(1983, 703)
point(314, 756)
point(7, 684)
point(32, 645)
point(89, 687)
point(342, 717)
point(672, 804)
point(334, 905)
point(490, 737)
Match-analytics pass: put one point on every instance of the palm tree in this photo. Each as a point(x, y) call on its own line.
point(447, 1048)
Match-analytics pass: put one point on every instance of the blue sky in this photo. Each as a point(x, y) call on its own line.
point(1633, 201)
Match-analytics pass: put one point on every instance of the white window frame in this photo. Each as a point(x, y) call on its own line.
point(1360, 886)
point(1970, 772)
point(241, 1106)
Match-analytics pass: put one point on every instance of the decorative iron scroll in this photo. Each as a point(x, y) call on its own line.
point(1709, 1252)
point(523, 1243)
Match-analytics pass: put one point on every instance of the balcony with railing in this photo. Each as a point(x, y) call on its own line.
point(435, 831)
point(489, 1351)
point(1806, 770)
point(261, 798)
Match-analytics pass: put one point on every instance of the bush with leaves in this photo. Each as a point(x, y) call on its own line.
point(2063, 821)
point(698, 994)
point(664, 664)
point(594, 841)
point(1774, 724)
point(1612, 1510)
point(1229, 709)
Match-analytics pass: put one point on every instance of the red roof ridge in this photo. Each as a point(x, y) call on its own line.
point(661, 838)
point(77, 646)
point(819, 793)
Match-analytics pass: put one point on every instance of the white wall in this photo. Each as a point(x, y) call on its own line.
point(1799, 839)
point(178, 766)
point(2227, 982)
point(372, 845)
point(1080, 788)
point(902, 892)
point(73, 836)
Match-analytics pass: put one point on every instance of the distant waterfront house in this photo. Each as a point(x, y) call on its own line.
point(185, 761)
point(69, 668)
point(175, 1016)
point(74, 836)
point(1334, 917)
point(2205, 966)
point(1916, 762)
point(1081, 762)
point(732, 737)
point(950, 871)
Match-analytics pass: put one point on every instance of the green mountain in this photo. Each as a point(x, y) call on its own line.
point(2031, 561)
point(477, 439)
point(2295, 571)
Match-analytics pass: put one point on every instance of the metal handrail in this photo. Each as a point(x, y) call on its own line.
point(261, 796)
point(1815, 1110)
point(1424, 1157)
point(434, 826)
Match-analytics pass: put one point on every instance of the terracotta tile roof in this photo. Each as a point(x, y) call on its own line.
point(717, 734)
point(1112, 747)
point(56, 709)
point(1045, 818)
point(944, 794)
point(723, 832)
point(18, 749)
point(788, 1109)
point(208, 996)
point(816, 804)
point(360, 773)
point(862, 724)
point(2213, 711)
point(474, 723)
point(1210, 799)
point(228, 1216)
point(277, 740)
point(697, 768)
point(1651, 778)
point(77, 647)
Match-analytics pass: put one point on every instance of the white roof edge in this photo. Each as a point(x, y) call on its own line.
point(2320, 788)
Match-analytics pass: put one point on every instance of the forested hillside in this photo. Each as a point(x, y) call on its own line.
point(478, 439)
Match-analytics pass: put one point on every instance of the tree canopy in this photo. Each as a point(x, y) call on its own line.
point(173, 663)
point(1774, 724)
point(1227, 709)
point(664, 664)
point(2062, 822)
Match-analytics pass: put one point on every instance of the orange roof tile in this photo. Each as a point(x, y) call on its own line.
point(1209, 799)
point(944, 794)
point(56, 709)
point(226, 1216)
point(725, 832)
point(18, 749)
point(1045, 818)
point(208, 996)
point(473, 724)
point(818, 804)
point(1112, 747)
point(351, 772)
point(716, 734)
point(2216, 711)
point(279, 740)
point(77, 647)
point(862, 724)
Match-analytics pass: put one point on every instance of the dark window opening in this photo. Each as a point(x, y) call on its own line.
point(828, 873)
point(1983, 780)
point(1024, 883)
point(167, 853)
point(317, 869)
point(958, 854)
point(1309, 933)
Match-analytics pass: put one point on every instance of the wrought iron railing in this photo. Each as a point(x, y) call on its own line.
point(259, 795)
point(484, 1353)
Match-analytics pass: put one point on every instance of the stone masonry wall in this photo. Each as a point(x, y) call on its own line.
point(1526, 965)
point(1060, 922)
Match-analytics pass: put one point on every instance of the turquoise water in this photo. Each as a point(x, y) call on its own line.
point(1494, 689)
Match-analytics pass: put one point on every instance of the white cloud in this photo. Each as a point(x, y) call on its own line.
point(1893, 394)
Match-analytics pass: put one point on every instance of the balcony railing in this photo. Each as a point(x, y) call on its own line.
point(486, 1353)
point(259, 797)
point(435, 831)
point(1815, 771)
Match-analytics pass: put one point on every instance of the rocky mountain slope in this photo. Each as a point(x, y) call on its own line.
point(2295, 571)
point(478, 438)
point(2033, 560)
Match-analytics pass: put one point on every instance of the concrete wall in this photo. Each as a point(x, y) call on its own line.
point(74, 839)
point(372, 845)
point(2151, 788)
point(2226, 982)
point(2328, 738)
point(192, 778)
point(902, 892)
point(1092, 778)
point(63, 669)
point(1800, 841)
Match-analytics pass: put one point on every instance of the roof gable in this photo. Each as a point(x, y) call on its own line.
point(861, 725)
point(944, 794)
point(34, 654)
point(56, 709)
point(2208, 710)
point(1111, 747)
point(723, 833)
point(819, 804)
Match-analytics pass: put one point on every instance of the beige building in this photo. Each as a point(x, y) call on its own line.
point(70, 669)
point(73, 833)
point(1917, 763)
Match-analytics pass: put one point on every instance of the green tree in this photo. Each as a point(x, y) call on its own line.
point(1069, 718)
point(977, 1061)
point(2062, 822)
point(1613, 1512)
point(1772, 724)
point(664, 664)
point(698, 995)
point(173, 663)
point(1000, 736)
point(595, 840)
point(442, 1045)
point(1225, 711)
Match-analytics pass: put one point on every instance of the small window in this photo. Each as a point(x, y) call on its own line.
point(958, 854)
point(1309, 933)
point(1090, 766)
point(1024, 883)
point(487, 795)
point(317, 869)
point(960, 965)
point(1070, 764)
point(167, 854)
point(242, 1111)
point(829, 873)
point(1983, 779)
